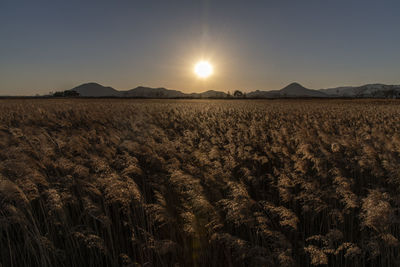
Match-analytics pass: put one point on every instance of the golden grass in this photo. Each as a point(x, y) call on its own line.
point(111, 182)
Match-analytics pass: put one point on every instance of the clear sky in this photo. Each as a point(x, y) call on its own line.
point(49, 45)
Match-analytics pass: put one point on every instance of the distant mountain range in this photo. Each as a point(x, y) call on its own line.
point(292, 90)
point(98, 90)
point(368, 90)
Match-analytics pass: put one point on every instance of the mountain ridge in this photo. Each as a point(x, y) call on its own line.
point(294, 89)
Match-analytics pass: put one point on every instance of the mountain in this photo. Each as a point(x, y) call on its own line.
point(292, 90)
point(147, 92)
point(95, 90)
point(297, 90)
point(263, 94)
point(209, 94)
point(368, 90)
point(213, 94)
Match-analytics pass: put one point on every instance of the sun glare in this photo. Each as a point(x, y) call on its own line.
point(203, 69)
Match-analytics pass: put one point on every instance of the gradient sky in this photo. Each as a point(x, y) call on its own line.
point(49, 45)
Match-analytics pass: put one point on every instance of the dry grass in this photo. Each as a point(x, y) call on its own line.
point(199, 183)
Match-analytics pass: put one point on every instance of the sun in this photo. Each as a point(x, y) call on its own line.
point(203, 69)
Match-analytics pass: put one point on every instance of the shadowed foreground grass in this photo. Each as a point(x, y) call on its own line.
point(199, 183)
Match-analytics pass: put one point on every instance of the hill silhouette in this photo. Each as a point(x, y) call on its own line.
point(297, 90)
point(95, 90)
point(294, 89)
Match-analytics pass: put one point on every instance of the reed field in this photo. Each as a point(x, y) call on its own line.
point(123, 182)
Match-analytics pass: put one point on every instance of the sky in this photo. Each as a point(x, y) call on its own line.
point(53, 45)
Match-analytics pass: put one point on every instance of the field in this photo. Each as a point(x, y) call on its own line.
point(107, 182)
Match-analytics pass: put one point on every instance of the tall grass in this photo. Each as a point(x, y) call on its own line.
point(199, 183)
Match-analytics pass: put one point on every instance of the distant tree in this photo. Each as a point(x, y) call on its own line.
point(228, 95)
point(67, 93)
point(238, 93)
point(71, 93)
point(58, 94)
